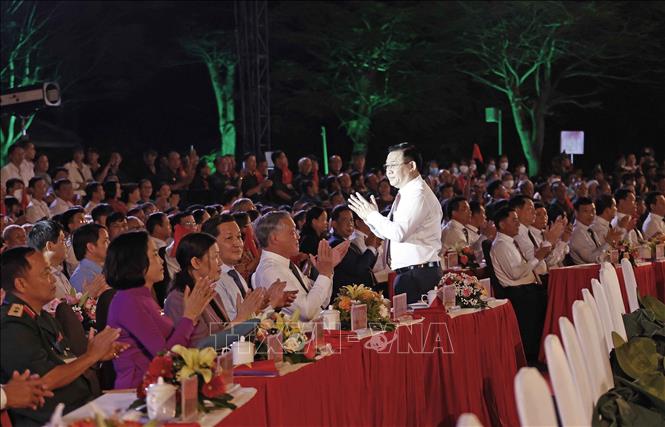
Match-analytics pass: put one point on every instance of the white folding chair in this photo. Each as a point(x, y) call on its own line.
point(615, 319)
point(631, 284)
point(589, 299)
point(534, 402)
point(606, 320)
point(567, 395)
point(610, 281)
point(577, 365)
point(468, 420)
point(597, 361)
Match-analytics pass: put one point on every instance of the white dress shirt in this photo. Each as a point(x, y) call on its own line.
point(159, 243)
point(36, 210)
point(653, 225)
point(601, 227)
point(228, 290)
point(23, 172)
point(90, 206)
point(559, 252)
point(62, 286)
point(79, 176)
point(171, 262)
point(453, 236)
point(60, 206)
point(70, 260)
point(415, 229)
point(631, 235)
point(309, 301)
point(528, 248)
point(510, 266)
point(583, 249)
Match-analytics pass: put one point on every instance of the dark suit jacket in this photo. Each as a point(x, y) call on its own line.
point(355, 267)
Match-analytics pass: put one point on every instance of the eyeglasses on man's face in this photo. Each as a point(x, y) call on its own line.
point(393, 166)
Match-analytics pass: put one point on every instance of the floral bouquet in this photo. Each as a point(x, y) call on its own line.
point(295, 344)
point(466, 257)
point(628, 251)
point(180, 363)
point(468, 291)
point(378, 308)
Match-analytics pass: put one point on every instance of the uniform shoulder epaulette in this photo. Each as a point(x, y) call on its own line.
point(18, 310)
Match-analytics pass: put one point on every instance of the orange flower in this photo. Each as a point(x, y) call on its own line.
point(344, 303)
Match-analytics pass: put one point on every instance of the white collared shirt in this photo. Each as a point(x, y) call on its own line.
point(228, 290)
point(600, 226)
point(630, 235)
point(583, 250)
point(23, 172)
point(308, 301)
point(70, 259)
point(62, 286)
point(452, 236)
point(159, 243)
point(559, 252)
point(510, 267)
point(653, 225)
point(529, 249)
point(415, 229)
point(60, 206)
point(36, 210)
point(79, 176)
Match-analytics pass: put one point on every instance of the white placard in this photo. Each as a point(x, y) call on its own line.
point(572, 142)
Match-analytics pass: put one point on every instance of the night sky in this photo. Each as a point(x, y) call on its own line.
point(127, 85)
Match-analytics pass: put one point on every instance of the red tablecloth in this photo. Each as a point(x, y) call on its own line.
point(565, 287)
point(423, 375)
point(659, 267)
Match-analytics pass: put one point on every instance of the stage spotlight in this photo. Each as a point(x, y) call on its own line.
point(25, 100)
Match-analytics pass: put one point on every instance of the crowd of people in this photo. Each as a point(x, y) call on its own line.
point(211, 246)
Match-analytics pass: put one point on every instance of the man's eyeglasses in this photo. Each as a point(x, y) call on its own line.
point(394, 165)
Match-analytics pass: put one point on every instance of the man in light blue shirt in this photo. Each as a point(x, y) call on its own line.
point(90, 243)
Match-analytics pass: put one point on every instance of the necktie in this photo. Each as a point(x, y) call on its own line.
point(466, 234)
point(593, 236)
point(386, 252)
point(236, 278)
point(533, 239)
point(296, 273)
point(535, 276)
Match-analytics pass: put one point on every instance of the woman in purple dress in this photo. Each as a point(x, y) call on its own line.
point(132, 267)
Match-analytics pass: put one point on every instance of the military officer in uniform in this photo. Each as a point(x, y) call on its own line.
point(31, 339)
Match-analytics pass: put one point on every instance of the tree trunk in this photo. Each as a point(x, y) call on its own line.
point(225, 107)
point(527, 135)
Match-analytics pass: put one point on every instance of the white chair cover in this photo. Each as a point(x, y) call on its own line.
point(597, 361)
point(631, 284)
point(468, 420)
point(534, 402)
point(577, 365)
point(610, 280)
point(604, 311)
point(616, 321)
point(589, 299)
point(567, 395)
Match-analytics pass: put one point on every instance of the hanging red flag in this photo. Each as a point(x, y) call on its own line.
point(476, 154)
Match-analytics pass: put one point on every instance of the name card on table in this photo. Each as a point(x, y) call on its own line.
point(399, 306)
point(189, 399)
point(660, 251)
point(275, 350)
point(359, 317)
point(452, 260)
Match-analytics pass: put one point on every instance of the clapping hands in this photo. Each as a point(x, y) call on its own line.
point(361, 206)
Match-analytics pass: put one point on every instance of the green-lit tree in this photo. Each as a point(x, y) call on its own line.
point(214, 50)
point(22, 41)
point(532, 51)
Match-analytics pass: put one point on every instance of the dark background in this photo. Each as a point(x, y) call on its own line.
point(128, 86)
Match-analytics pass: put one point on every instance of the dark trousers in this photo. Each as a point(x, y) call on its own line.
point(417, 282)
point(530, 304)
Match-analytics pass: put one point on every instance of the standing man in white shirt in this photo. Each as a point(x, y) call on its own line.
point(79, 173)
point(37, 208)
point(278, 237)
point(412, 230)
point(627, 206)
point(654, 225)
point(455, 234)
point(519, 280)
point(585, 246)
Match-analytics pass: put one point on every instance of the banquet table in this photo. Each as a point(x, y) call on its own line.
point(566, 284)
point(424, 374)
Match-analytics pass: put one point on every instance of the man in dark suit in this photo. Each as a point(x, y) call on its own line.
point(356, 266)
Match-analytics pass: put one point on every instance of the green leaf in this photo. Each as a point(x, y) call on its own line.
point(654, 384)
point(656, 307)
point(638, 357)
